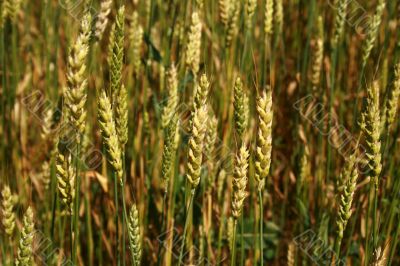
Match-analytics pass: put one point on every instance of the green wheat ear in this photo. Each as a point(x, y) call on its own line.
point(24, 257)
point(172, 96)
point(239, 109)
point(393, 101)
point(65, 178)
point(134, 235)
point(169, 151)
point(8, 216)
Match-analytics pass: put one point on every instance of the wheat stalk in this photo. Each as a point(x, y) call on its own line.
point(25, 256)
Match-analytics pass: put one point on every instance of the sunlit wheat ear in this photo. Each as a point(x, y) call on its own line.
point(370, 125)
point(194, 44)
point(268, 17)
point(278, 16)
point(379, 258)
point(196, 143)
point(10, 9)
point(136, 41)
point(223, 8)
point(134, 235)
point(75, 94)
point(250, 9)
point(239, 181)
point(201, 92)
point(264, 138)
point(318, 55)
point(46, 124)
point(169, 151)
point(291, 254)
point(65, 178)
point(233, 26)
point(349, 176)
point(172, 96)
point(239, 111)
point(109, 134)
point(340, 18)
point(7, 213)
point(25, 256)
point(116, 54)
point(393, 101)
point(121, 116)
point(372, 31)
point(102, 18)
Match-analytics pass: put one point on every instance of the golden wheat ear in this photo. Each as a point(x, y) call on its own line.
point(7, 206)
point(134, 235)
point(239, 181)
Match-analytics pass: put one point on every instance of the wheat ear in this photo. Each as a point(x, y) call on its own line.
point(134, 235)
point(196, 143)
point(238, 104)
point(239, 181)
point(169, 151)
point(102, 18)
point(75, 94)
point(121, 116)
point(136, 40)
point(223, 8)
point(194, 44)
point(264, 138)
point(65, 178)
point(268, 18)
point(340, 18)
point(232, 27)
point(393, 101)
point(110, 137)
point(172, 96)
point(8, 216)
point(318, 55)
point(25, 256)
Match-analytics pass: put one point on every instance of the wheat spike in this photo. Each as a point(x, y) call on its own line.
point(232, 27)
point(110, 137)
point(393, 101)
point(65, 178)
point(75, 94)
point(45, 174)
point(196, 142)
point(278, 16)
point(269, 18)
point(221, 183)
point(47, 123)
point(172, 96)
point(349, 176)
point(102, 18)
point(121, 116)
point(291, 254)
point(229, 231)
point(250, 8)
point(201, 92)
point(373, 31)
point(136, 40)
point(169, 151)
point(223, 7)
point(239, 181)
point(371, 128)
point(264, 138)
point(194, 44)
point(25, 257)
point(116, 54)
point(134, 235)
point(8, 216)
point(239, 110)
point(340, 18)
point(318, 56)
point(10, 9)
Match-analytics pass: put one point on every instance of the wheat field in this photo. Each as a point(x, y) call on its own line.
point(226, 132)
